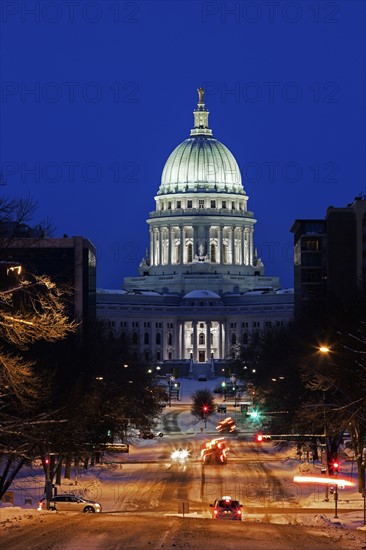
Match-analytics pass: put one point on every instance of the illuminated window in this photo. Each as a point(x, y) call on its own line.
point(201, 339)
point(201, 203)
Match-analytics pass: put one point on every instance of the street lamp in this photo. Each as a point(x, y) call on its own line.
point(325, 350)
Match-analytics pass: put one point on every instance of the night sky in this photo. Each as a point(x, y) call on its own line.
point(96, 95)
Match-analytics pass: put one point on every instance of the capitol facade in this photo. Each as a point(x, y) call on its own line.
point(201, 292)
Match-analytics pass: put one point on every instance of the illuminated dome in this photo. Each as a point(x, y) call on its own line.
point(201, 162)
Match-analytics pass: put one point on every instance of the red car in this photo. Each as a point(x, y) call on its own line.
point(226, 508)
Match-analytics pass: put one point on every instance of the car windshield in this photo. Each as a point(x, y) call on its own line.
point(228, 504)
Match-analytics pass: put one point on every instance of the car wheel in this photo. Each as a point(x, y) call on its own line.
point(53, 509)
point(89, 510)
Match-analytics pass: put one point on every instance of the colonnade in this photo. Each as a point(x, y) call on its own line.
point(217, 244)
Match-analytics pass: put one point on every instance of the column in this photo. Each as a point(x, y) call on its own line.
point(160, 246)
point(182, 341)
point(207, 240)
point(181, 237)
point(208, 341)
point(250, 246)
point(240, 247)
point(152, 257)
point(171, 246)
point(233, 251)
point(184, 248)
point(218, 249)
point(220, 340)
point(194, 340)
point(195, 241)
point(246, 246)
point(221, 243)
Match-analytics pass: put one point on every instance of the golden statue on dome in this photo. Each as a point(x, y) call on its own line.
point(200, 94)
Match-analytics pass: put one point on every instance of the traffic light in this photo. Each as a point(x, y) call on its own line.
point(259, 438)
point(205, 409)
point(335, 465)
point(254, 414)
point(47, 460)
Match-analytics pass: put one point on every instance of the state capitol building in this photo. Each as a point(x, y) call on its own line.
point(201, 292)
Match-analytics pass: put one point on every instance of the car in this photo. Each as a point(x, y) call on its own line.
point(148, 434)
point(70, 503)
point(227, 425)
point(214, 451)
point(227, 508)
point(118, 447)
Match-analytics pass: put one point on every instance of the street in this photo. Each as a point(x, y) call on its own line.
point(143, 492)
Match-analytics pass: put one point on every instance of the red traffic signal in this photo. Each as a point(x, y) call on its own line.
point(47, 459)
point(259, 438)
point(335, 465)
point(205, 409)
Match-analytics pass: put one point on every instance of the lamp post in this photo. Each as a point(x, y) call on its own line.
point(325, 350)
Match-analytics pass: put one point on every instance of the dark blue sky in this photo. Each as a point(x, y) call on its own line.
point(95, 96)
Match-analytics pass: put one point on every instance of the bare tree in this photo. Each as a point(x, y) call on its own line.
point(31, 311)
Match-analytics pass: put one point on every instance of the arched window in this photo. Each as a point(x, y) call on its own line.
point(158, 339)
point(191, 338)
point(170, 339)
point(233, 339)
point(213, 253)
point(135, 338)
point(224, 254)
point(122, 337)
point(189, 253)
point(245, 338)
point(201, 339)
point(146, 338)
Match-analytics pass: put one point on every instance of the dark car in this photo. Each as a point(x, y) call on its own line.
point(226, 508)
point(71, 503)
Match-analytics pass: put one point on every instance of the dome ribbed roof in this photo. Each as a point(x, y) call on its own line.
point(201, 162)
point(204, 162)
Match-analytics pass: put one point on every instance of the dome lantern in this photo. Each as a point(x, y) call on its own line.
point(201, 117)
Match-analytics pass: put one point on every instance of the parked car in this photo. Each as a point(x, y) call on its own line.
point(226, 508)
point(71, 503)
point(148, 434)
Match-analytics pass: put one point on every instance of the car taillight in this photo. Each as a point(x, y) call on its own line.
point(215, 512)
point(239, 512)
